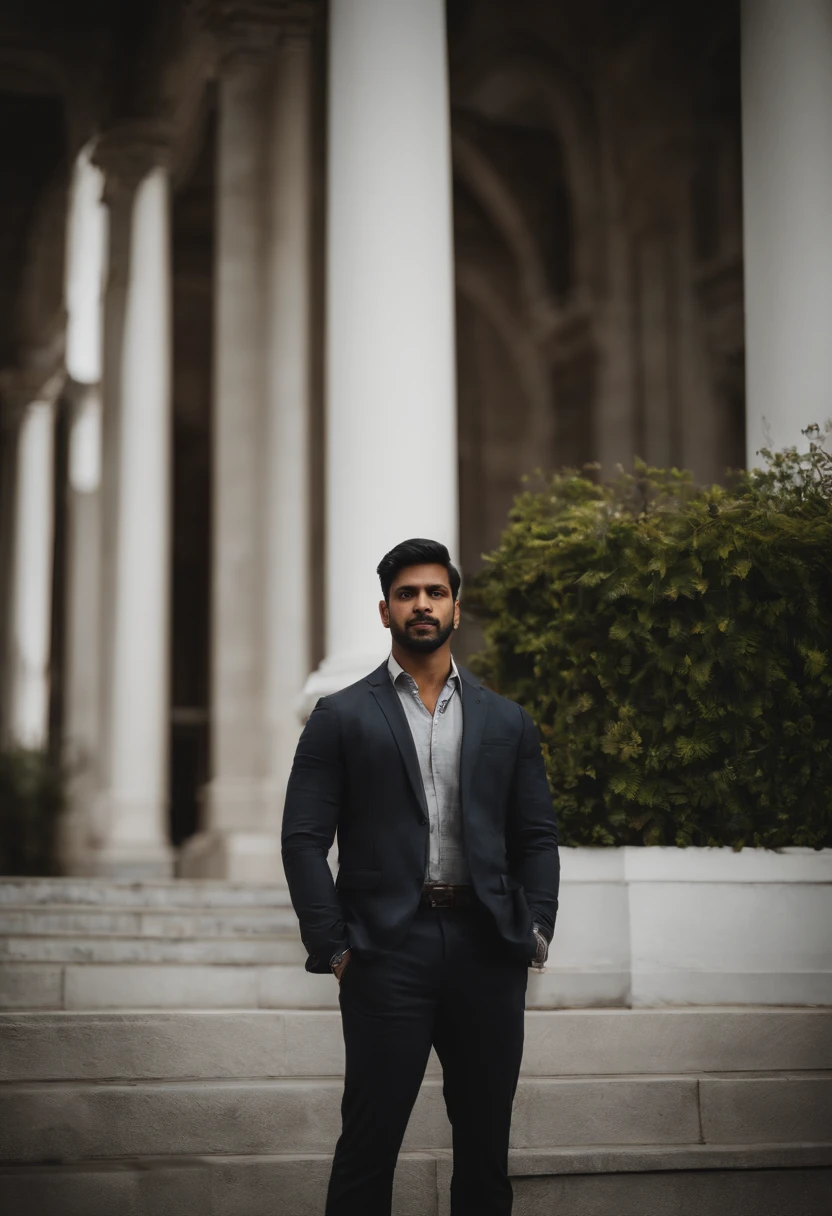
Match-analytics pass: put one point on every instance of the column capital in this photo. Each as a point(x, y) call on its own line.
point(248, 30)
point(129, 151)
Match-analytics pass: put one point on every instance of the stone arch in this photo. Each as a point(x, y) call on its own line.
point(505, 415)
point(715, 204)
point(43, 310)
point(488, 186)
point(527, 84)
point(716, 169)
point(33, 211)
point(478, 289)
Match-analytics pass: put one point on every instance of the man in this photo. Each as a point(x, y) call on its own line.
point(447, 890)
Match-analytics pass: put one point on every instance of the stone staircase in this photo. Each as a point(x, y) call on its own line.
point(75, 943)
point(70, 943)
point(232, 1110)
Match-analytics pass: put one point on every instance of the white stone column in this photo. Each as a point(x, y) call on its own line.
point(31, 582)
point(82, 671)
point(233, 829)
point(134, 794)
point(391, 414)
point(260, 655)
point(86, 261)
point(288, 609)
point(787, 206)
point(87, 242)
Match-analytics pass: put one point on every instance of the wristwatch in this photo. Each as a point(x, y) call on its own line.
point(338, 958)
point(538, 962)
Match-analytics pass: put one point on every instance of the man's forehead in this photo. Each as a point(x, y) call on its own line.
point(426, 575)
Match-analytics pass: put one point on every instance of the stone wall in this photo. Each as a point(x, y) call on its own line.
point(598, 243)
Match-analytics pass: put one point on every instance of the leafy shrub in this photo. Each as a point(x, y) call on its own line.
point(672, 644)
point(31, 799)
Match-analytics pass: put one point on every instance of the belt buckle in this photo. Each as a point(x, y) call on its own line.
point(442, 896)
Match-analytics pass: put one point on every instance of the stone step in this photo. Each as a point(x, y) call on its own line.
point(71, 1121)
point(138, 922)
point(71, 1046)
point(747, 1180)
point(205, 986)
point(155, 893)
point(163, 986)
point(121, 948)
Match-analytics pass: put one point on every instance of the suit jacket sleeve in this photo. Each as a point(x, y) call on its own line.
point(532, 831)
point(310, 820)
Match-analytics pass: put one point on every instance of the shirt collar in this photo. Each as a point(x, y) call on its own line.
point(395, 669)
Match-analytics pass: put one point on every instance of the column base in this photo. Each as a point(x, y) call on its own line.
point(73, 850)
point(113, 851)
point(126, 862)
point(232, 856)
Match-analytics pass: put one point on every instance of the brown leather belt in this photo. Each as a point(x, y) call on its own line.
point(443, 895)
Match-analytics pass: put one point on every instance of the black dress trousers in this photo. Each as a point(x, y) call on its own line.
point(452, 984)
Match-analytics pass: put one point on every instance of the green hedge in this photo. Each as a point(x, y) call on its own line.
point(672, 644)
point(31, 801)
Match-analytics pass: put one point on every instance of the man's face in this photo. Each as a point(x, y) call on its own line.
point(421, 613)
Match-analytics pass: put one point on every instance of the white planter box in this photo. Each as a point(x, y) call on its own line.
point(667, 926)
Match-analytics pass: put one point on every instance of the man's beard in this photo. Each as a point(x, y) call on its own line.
point(424, 644)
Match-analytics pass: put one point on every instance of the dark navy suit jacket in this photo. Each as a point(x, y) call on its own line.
point(356, 773)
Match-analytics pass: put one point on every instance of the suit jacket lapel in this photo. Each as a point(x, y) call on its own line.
point(474, 713)
point(391, 707)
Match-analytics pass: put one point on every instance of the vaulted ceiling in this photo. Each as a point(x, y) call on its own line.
point(67, 71)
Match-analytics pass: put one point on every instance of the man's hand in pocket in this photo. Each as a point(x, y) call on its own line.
point(339, 968)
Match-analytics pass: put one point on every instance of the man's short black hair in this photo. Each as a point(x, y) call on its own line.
point(416, 552)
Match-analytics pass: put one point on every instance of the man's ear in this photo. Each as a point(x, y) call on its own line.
point(456, 615)
point(384, 613)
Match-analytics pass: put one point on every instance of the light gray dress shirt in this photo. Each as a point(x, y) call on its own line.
point(438, 741)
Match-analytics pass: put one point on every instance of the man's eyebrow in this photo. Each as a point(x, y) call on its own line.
point(427, 587)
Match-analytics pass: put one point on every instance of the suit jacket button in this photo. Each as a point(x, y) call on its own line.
point(423, 820)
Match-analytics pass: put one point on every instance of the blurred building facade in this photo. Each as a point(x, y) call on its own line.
point(283, 284)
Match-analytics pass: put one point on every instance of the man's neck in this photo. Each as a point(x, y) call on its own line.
point(428, 670)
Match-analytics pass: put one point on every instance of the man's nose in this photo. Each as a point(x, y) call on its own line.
point(423, 603)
